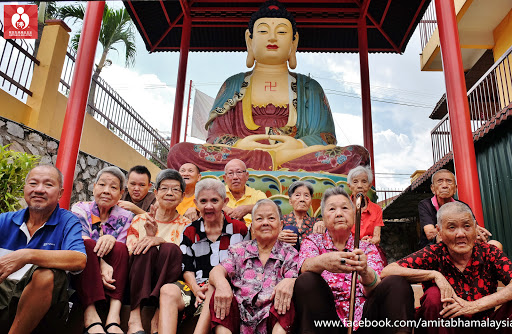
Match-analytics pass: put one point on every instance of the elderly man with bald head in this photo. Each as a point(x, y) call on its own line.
point(38, 245)
point(459, 275)
point(241, 197)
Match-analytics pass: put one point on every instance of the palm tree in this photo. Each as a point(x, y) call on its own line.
point(47, 10)
point(116, 28)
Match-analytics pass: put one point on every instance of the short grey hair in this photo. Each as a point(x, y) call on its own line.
point(453, 207)
point(210, 184)
point(60, 177)
point(440, 171)
point(265, 201)
point(334, 191)
point(297, 184)
point(359, 170)
point(170, 174)
point(243, 163)
point(114, 171)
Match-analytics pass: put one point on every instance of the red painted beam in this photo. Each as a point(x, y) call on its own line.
point(295, 10)
point(180, 85)
point(171, 26)
point(319, 26)
point(297, 19)
point(230, 49)
point(137, 18)
point(412, 23)
point(283, 1)
point(77, 101)
point(462, 137)
point(165, 12)
point(383, 18)
point(365, 92)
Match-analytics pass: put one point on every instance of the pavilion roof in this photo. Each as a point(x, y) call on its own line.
point(323, 25)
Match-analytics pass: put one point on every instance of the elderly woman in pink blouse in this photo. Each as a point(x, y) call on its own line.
point(254, 284)
point(104, 230)
point(322, 291)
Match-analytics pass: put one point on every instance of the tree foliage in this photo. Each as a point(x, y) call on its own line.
point(14, 167)
point(116, 28)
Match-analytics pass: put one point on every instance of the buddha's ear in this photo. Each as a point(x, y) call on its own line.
point(250, 56)
point(292, 60)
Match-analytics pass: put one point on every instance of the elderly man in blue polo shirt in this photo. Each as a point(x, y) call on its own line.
point(38, 245)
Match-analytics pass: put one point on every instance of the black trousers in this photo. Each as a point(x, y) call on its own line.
point(391, 300)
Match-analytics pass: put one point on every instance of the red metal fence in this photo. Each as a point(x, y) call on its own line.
point(488, 96)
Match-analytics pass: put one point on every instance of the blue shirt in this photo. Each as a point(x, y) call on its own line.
point(62, 231)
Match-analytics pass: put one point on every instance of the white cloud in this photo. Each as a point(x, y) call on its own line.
point(146, 93)
point(401, 154)
point(349, 129)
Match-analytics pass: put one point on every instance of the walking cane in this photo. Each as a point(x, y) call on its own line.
point(359, 199)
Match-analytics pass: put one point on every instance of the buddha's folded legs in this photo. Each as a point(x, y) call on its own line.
point(337, 160)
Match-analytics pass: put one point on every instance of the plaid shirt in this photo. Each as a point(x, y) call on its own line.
point(200, 254)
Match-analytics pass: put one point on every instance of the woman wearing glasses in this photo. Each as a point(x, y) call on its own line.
point(153, 240)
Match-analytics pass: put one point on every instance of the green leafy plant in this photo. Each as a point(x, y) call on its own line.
point(14, 167)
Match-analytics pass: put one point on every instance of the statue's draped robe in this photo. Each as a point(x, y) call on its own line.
point(307, 118)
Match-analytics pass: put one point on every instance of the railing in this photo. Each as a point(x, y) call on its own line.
point(67, 71)
point(111, 110)
point(386, 196)
point(428, 24)
point(488, 96)
point(16, 66)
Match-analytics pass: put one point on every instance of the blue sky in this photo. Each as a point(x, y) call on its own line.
point(403, 97)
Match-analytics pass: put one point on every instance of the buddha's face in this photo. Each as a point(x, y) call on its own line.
point(272, 40)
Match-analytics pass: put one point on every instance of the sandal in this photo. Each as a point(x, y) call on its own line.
point(110, 325)
point(86, 330)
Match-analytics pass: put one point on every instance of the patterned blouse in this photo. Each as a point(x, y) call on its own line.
point(318, 244)
point(307, 224)
point(89, 215)
point(169, 231)
point(200, 254)
point(487, 266)
point(254, 283)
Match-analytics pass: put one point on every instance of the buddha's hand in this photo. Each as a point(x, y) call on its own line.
point(252, 142)
point(291, 148)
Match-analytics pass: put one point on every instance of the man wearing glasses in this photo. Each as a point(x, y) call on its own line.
point(241, 197)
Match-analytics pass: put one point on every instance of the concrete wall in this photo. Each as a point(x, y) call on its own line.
point(25, 139)
point(503, 36)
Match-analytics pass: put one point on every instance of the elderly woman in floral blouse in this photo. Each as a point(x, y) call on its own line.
point(153, 243)
point(327, 261)
point(260, 275)
point(104, 229)
point(298, 224)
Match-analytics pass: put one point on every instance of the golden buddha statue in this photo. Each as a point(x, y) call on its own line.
point(269, 117)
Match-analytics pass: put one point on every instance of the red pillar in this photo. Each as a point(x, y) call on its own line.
point(458, 108)
point(365, 91)
point(77, 101)
point(180, 85)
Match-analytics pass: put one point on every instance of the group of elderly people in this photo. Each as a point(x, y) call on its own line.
point(256, 280)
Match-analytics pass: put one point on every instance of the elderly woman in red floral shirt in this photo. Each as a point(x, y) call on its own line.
point(327, 261)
